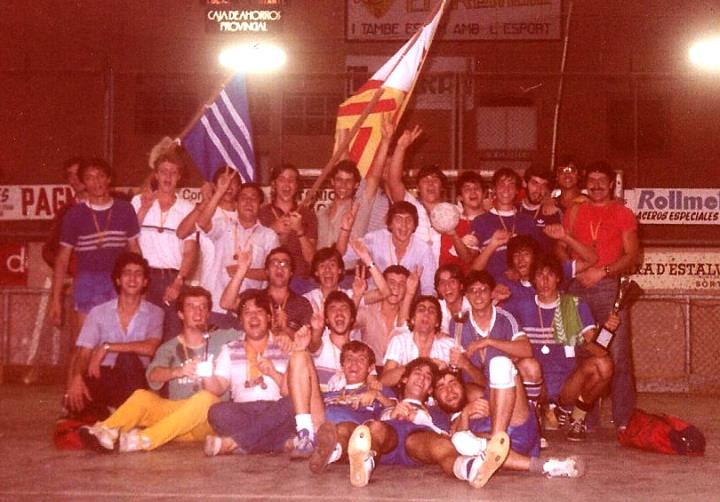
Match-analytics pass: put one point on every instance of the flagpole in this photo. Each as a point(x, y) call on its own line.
point(201, 110)
point(558, 99)
point(337, 154)
point(405, 102)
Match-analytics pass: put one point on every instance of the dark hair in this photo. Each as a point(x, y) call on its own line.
point(396, 269)
point(71, 162)
point(192, 292)
point(221, 169)
point(520, 243)
point(340, 297)
point(129, 258)
point(602, 167)
point(348, 167)
point(481, 276)
point(454, 270)
point(258, 296)
point(538, 171)
point(417, 301)
point(278, 170)
point(402, 207)
point(97, 163)
point(432, 170)
point(442, 374)
point(550, 262)
point(324, 254)
point(356, 346)
point(468, 177)
point(566, 160)
point(506, 172)
point(253, 186)
point(278, 250)
point(412, 366)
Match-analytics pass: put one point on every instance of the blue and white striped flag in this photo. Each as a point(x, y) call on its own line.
point(221, 136)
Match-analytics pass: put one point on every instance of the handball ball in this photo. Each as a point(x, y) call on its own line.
point(445, 217)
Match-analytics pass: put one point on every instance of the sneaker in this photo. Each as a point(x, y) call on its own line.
point(571, 467)
point(216, 445)
point(468, 444)
point(550, 421)
point(577, 431)
point(98, 437)
point(326, 444)
point(303, 446)
point(360, 456)
point(563, 417)
point(489, 461)
point(132, 440)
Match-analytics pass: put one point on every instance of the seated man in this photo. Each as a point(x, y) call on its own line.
point(558, 325)
point(398, 244)
point(421, 338)
point(290, 311)
point(468, 420)
point(406, 435)
point(258, 419)
point(115, 343)
point(179, 364)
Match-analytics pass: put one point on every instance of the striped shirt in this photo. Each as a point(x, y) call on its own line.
point(98, 236)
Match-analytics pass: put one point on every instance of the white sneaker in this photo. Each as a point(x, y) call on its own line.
point(488, 462)
point(360, 456)
point(212, 445)
point(104, 435)
point(132, 440)
point(570, 467)
point(468, 444)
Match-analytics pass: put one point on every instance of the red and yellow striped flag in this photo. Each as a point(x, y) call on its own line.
point(396, 79)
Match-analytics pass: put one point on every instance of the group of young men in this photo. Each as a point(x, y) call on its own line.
point(360, 333)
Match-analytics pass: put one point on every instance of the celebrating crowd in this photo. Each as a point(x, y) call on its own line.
point(388, 328)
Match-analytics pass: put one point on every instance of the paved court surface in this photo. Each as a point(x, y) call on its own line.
point(30, 467)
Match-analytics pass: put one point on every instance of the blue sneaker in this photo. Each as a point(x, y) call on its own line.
point(303, 446)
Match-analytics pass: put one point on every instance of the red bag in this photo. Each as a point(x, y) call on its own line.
point(663, 434)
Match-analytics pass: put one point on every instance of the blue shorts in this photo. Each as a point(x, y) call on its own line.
point(524, 438)
point(399, 456)
point(91, 289)
point(337, 413)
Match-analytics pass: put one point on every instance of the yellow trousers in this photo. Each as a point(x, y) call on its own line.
point(165, 420)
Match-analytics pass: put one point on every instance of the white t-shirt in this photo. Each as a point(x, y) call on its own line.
point(402, 348)
point(158, 241)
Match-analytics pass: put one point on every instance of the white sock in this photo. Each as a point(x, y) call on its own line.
point(336, 454)
point(461, 467)
point(304, 421)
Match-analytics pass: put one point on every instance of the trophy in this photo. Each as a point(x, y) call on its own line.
point(627, 290)
point(459, 318)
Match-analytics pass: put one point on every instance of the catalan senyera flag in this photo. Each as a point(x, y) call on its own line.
point(221, 135)
point(396, 78)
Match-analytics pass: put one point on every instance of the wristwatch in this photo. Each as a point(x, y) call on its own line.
point(371, 265)
point(106, 346)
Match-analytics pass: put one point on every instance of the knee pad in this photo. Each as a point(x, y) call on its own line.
point(502, 373)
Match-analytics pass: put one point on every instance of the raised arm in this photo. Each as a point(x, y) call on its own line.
point(204, 220)
point(394, 182)
point(229, 299)
point(586, 254)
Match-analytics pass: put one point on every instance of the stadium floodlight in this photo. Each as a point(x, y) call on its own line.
point(253, 58)
point(705, 54)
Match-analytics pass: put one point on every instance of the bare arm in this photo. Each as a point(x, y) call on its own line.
point(499, 238)
point(187, 265)
point(373, 178)
point(392, 373)
point(229, 299)
point(587, 257)
point(394, 182)
point(61, 264)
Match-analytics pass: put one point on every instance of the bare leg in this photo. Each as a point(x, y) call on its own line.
point(304, 387)
point(590, 380)
point(430, 448)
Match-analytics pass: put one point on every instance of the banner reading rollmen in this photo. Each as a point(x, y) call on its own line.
point(396, 79)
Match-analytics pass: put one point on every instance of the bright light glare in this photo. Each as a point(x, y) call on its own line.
point(705, 54)
point(253, 58)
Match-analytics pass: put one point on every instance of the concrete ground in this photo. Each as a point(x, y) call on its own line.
point(31, 468)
